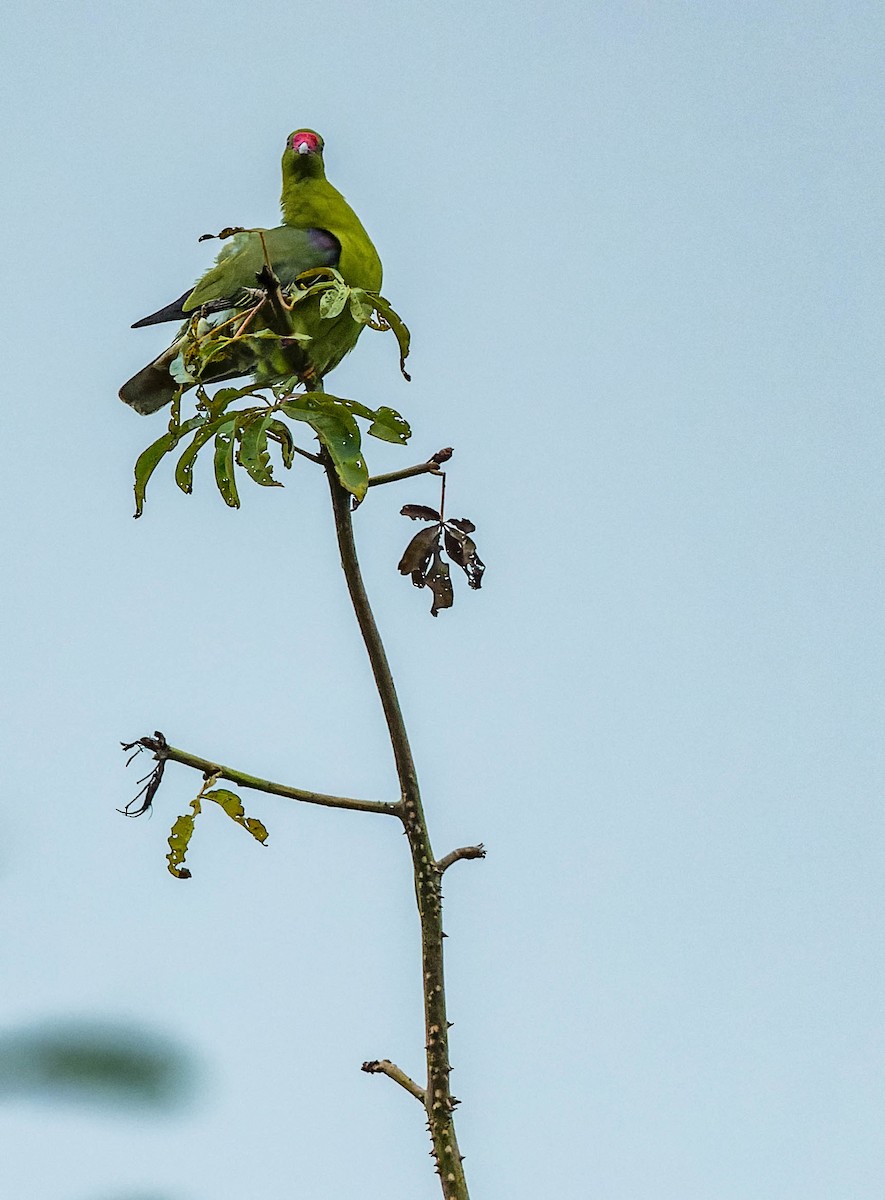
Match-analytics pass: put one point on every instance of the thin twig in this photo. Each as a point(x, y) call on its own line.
point(427, 468)
point(456, 855)
point(431, 467)
point(385, 1067)
point(314, 458)
point(166, 753)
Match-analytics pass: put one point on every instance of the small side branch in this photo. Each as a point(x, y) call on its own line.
point(431, 467)
point(164, 753)
point(444, 863)
point(314, 458)
point(385, 1067)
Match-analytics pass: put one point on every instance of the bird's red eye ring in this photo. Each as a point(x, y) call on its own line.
point(307, 139)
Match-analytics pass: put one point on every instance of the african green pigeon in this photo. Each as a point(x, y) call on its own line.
point(319, 229)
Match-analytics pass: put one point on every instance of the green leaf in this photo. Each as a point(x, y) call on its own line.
point(181, 371)
point(149, 458)
point(184, 472)
point(253, 453)
point(303, 407)
point(361, 307)
point(269, 335)
point(224, 464)
point(226, 396)
point(233, 806)
point(386, 423)
point(283, 434)
point(389, 426)
point(89, 1061)
point(317, 273)
point(179, 840)
point(352, 406)
point(339, 433)
point(333, 300)
point(400, 329)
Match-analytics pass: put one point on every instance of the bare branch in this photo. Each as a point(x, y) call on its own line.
point(164, 753)
point(444, 863)
point(431, 467)
point(385, 1067)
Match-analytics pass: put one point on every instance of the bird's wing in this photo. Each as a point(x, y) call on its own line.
point(290, 251)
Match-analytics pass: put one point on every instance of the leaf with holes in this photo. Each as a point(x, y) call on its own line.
point(184, 471)
point(417, 555)
point(333, 300)
point(339, 433)
point(424, 562)
point(361, 307)
point(149, 459)
point(253, 453)
point(461, 549)
point(420, 512)
point(233, 806)
point(389, 426)
point(437, 578)
point(179, 841)
point(282, 434)
point(224, 463)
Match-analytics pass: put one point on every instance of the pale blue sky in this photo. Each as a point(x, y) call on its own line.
point(640, 250)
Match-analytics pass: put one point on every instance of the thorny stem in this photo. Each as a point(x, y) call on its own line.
point(436, 1096)
point(438, 1100)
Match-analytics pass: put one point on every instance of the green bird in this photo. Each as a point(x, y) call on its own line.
point(319, 229)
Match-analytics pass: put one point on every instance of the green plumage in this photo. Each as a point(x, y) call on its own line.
point(319, 229)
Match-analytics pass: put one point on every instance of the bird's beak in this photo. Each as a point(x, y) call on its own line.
point(303, 148)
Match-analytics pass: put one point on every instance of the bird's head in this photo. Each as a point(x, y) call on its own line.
point(303, 156)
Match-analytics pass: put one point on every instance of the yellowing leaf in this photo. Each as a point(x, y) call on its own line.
point(233, 806)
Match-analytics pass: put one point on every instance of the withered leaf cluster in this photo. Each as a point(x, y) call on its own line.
point(423, 558)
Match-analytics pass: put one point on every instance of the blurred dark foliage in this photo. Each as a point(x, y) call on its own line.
point(92, 1062)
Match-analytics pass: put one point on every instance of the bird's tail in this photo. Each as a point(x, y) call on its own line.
point(152, 387)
